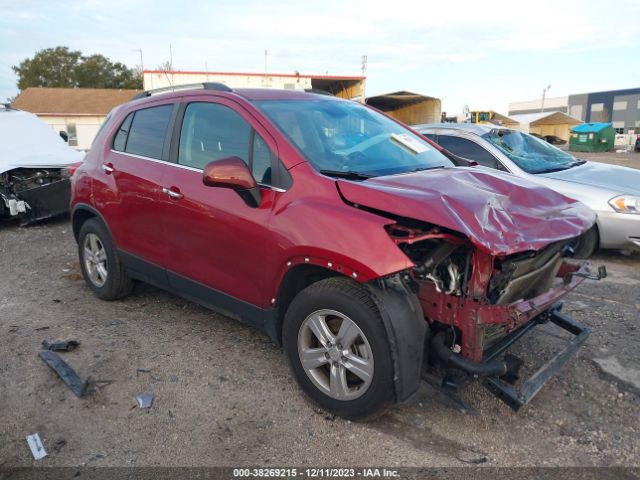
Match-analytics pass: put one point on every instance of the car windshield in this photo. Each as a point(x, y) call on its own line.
point(531, 154)
point(343, 138)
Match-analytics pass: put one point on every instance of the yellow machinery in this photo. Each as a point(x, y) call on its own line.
point(483, 118)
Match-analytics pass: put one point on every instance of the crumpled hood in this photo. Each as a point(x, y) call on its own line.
point(615, 178)
point(28, 142)
point(499, 213)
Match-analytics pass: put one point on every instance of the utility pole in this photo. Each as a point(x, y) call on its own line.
point(266, 53)
point(141, 63)
point(170, 58)
point(544, 94)
point(363, 69)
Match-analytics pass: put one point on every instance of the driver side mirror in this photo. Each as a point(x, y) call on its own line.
point(232, 173)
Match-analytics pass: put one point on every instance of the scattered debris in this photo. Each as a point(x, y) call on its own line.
point(65, 372)
point(145, 400)
point(116, 322)
point(42, 328)
point(98, 383)
point(474, 460)
point(63, 346)
point(142, 370)
point(330, 417)
point(630, 377)
point(35, 444)
point(173, 378)
point(56, 300)
point(59, 445)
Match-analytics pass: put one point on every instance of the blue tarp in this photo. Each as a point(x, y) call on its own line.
point(590, 127)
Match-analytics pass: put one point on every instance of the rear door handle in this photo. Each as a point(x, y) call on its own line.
point(172, 192)
point(108, 168)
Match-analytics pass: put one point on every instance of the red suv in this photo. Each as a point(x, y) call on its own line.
point(338, 231)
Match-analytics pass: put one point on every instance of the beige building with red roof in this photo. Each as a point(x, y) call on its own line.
point(77, 111)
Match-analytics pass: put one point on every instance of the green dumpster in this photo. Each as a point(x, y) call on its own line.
point(592, 137)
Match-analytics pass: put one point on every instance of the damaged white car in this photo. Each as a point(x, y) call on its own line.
point(35, 167)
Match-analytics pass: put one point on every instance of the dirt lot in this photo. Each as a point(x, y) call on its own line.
point(627, 159)
point(224, 396)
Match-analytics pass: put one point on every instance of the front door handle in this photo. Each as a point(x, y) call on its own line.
point(108, 168)
point(173, 192)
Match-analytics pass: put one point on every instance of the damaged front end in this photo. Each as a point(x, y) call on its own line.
point(478, 303)
point(32, 194)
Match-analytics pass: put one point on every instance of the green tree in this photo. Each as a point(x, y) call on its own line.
point(51, 67)
point(97, 71)
point(61, 67)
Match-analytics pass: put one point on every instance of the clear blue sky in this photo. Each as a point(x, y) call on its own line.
point(479, 53)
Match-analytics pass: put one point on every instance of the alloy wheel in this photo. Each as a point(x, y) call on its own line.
point(335, 354)
point(95, 259)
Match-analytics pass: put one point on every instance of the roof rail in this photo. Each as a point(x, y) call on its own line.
point(172, 88)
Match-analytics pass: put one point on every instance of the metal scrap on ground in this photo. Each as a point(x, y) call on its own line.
point(65, 372)
point(145, 400)
point(63, 346)
point(35, 444)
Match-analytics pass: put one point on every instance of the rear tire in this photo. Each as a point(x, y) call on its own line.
point(338, 349)
point(586, 244)
point(101, 267)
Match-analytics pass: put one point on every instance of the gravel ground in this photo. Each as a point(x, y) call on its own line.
point(627, 159)
point(224, 395)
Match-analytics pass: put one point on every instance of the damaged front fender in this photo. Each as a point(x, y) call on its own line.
point(406, 328)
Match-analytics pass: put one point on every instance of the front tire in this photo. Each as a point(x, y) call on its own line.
point(101, 267)
point(338, 349)
point(586, 244)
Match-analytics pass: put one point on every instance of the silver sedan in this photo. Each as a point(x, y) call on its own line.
point(612, 191)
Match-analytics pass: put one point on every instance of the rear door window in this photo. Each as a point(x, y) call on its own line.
point(146, 134)
point(430, 136)
point(120, 140)
point(467, 149)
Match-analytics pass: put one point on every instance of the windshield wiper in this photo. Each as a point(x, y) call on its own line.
point(577, 162)
point(554, 169)
point(349, 174)
point(422, 169)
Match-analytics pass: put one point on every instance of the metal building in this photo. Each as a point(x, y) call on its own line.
point(620, 107)
point(408, 107)
point(341, 86)
point(547, 123)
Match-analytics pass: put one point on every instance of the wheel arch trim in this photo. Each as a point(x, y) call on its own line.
point(83, 207)
point(407, 332)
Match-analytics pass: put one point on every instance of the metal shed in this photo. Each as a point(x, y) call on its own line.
point(592, 137)
point(349, 87)
point(547, 123)
point(408, 107)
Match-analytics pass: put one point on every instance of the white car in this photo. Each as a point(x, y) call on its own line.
point(612, 191)
point(35, 167)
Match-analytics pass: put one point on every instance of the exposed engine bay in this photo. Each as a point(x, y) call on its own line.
point(476, 293)
point(32, 194)
point(477, 304)
point(445, 260)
